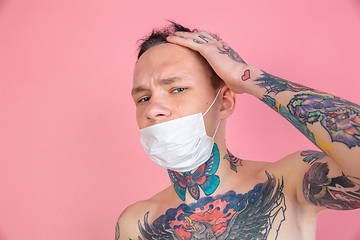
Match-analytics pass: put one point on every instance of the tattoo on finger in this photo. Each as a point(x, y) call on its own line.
point(197, 41)
point(215, 38)
point(204, 38)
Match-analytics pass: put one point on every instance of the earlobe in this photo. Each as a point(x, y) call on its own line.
point(228, 102)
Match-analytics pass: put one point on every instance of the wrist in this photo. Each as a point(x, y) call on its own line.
point(246, 78)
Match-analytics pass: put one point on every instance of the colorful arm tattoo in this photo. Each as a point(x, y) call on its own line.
point(257, 214)
point(339, 117)
point(271, 102)
point(234, 161)
point(338, 193)
point(204, 177)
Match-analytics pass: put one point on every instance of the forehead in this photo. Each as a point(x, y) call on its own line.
point(169, 60)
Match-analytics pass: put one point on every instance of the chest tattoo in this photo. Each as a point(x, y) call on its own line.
point(257, 214)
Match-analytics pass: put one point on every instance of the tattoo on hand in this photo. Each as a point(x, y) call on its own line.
point(257, 214)
point(312, 156)
point(204, 177)
point(338, 193)
point(234, 161)
point(339, 117)
point(231, 53)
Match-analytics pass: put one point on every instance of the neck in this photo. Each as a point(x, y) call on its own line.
point(205, 180)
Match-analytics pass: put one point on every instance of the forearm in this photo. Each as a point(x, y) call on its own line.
point(332, 123)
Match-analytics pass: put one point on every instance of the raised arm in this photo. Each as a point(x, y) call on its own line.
point(330, 122)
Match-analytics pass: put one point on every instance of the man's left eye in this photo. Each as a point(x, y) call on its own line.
point(178, 90)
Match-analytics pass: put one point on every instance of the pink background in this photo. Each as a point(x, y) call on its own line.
point(70, 159)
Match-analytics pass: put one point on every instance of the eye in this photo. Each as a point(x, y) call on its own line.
point(342, 117)
point(143, 99)
point(177, 90)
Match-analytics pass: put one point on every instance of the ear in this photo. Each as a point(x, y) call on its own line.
point(228, 101)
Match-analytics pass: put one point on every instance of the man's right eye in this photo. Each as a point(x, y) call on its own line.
point(143, 99)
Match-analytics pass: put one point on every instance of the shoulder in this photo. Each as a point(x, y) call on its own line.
point(133, 216)
point(126, 226)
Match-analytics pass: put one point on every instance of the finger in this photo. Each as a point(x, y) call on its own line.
point(188, 39)
point(199, 37)
point(208, 35)
point(185, 40)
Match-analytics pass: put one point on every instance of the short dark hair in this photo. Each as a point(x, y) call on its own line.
point(158, 36)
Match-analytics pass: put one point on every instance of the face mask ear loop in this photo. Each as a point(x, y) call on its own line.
point(213, 102)
point(216, 129)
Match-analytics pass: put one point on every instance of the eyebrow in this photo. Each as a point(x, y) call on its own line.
point(165, 81)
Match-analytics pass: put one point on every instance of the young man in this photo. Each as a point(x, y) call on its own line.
point(184, 88)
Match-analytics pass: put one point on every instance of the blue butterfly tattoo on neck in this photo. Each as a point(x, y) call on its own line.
point(203, 177)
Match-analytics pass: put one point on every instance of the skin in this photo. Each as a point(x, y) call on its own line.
point(171, 81)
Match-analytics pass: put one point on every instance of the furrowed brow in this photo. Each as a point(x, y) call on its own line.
point(171, 80)
point(165, 81)
point(138, 89)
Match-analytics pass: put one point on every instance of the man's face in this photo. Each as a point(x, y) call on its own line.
point(170, 82)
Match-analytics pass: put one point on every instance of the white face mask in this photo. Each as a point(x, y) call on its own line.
point(180, 144)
